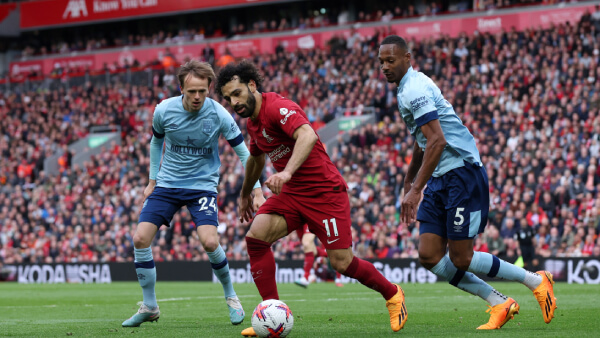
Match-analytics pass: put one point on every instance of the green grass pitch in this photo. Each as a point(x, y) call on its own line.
point(323, 310)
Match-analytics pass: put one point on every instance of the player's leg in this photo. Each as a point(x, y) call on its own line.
point(146, 274)
point(344, 262)
point(203, 209)
point(274, 220)
point(469, 201)
point(218, 260)
point(158, 209)
point(308, 244)
point(437, 224)
point(332, 226)
point(264, 231)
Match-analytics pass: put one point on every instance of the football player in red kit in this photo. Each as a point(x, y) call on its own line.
point(307, 188)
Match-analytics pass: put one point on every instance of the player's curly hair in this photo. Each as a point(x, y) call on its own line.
point(245, 70)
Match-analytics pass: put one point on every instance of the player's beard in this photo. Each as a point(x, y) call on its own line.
point(249, 106)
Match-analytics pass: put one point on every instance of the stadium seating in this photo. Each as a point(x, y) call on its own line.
point(530, 98)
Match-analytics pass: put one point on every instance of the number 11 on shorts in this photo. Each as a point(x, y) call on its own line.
point(333, 224)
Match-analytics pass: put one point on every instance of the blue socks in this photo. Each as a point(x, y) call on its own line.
point(465, 281)
point(483, 262)
point(220, 267)
point(146, 273)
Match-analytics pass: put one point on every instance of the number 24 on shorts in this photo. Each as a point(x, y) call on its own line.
point(202, 201)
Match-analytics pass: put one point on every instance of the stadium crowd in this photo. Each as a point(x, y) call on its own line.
point(530, 98)
point(269, 18)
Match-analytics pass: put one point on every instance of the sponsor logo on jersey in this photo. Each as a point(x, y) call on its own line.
point(190, 150)
point(278, 153)
point(290, 113)
point(283, 111)
point(269, 138)
point(418, 103)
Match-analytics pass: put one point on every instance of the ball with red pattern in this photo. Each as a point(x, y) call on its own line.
point(272, 318)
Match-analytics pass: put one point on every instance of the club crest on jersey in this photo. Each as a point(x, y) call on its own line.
point(207, 126)
point(269, 138)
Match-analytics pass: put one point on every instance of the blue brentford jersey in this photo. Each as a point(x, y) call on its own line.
point(191, 158)
point(421, 101)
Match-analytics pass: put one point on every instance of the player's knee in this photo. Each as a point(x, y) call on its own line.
point(461, 262)
point(211, 244)
point(428, 261)
point(140, 241)
point(340, 263)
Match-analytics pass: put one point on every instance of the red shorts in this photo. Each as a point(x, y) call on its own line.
point(327, 215)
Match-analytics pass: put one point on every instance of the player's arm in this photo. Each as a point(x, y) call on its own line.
point(156, 148)
point(242, 152)
point(413, 167)
point(306, 138)
point(436, 142)
point(254, 168)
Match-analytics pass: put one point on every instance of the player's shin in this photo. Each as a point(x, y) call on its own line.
point(467, 281)
point(220, 266)
point(262, 267)
point(367, 274)
point(146, 273)
point(483, 262)
point(309, 260)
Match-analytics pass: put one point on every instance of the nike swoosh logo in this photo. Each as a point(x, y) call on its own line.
point(329, 242)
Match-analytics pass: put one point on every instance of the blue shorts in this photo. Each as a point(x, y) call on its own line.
point(163, 203)
point(456, 205)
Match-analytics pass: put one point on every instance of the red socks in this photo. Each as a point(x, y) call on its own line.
point(309, 259)
point(262, 266)
point(321, 252)
point(368, 276)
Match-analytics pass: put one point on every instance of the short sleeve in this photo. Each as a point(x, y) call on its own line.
point(157, 126)
point(229, 128)
point(420, 103)
point(289, 116)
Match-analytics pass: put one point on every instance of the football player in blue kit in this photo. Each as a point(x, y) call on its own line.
point(447, 170)
point(188, 127)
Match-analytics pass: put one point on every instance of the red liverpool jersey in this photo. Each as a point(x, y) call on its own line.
point(272, 133)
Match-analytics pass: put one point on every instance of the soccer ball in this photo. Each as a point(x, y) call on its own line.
point(272, 318)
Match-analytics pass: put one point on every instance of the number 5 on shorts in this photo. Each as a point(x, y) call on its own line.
point(335, 231)
point(460, 217)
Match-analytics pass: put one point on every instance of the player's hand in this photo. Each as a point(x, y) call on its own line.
point(149, 189)
point(259, 198)
point(246, 208)
point(410, 202)
point(276, 182)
